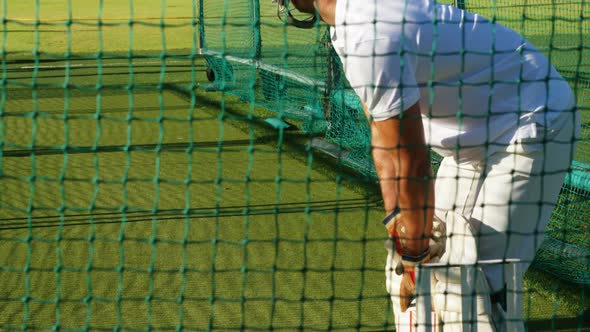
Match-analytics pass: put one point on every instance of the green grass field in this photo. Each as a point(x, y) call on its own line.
point(133, 199)
point(120, 211)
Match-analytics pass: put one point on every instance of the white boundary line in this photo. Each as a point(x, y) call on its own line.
point(81, 65)
point(273, 69)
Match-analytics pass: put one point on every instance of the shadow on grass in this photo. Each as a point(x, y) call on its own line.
point(156, 147)
point(117, 217)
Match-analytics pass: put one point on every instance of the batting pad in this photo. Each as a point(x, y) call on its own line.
point(408, 322)
point(467, 319)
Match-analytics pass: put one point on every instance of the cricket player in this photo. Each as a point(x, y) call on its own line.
point(434, 76)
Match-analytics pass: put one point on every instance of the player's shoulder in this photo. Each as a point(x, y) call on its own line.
point(372, 11)
point(363, 22)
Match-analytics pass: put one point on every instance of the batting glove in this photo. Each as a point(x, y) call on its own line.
point(405, 263)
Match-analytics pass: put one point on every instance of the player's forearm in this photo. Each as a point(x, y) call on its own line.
point(406, 182)
point(416, 198)
point(403, 166)
point(388, 179)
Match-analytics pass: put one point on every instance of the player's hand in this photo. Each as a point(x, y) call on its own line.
point(405, 263)
point(407, 289)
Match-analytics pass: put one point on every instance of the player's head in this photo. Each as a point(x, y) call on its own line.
point(285, 12)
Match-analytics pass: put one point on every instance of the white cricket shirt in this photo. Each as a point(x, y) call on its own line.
point(477, 81)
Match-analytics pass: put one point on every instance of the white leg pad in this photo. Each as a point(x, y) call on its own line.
point(461, 296)
point(392, 280)
point(461, 243)
point(453, 322)
point(405, 321)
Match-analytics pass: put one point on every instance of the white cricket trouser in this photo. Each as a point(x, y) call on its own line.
point(508, 198)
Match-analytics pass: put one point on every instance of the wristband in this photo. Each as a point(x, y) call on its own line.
point(391, 216)
point(409, 260)
point(389, 222)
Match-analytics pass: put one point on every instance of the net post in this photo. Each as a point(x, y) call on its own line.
point(423, 299)
point(256, 27)
point(332, 77)
point(201, 26)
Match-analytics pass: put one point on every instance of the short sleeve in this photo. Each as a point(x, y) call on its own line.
point(382, 74)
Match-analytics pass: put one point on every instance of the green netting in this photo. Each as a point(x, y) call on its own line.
point(137, 196)
point(558, 28)
point(292, 65)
